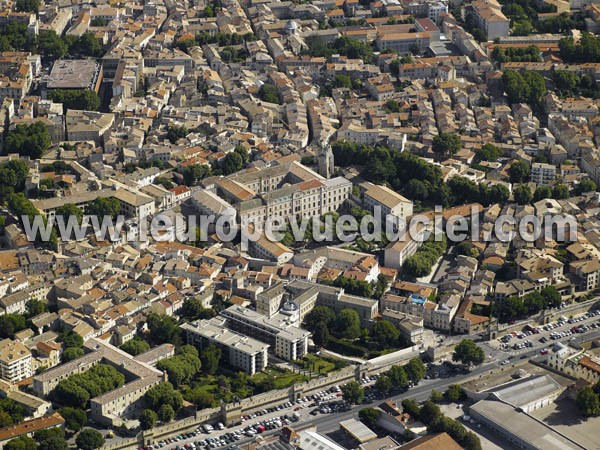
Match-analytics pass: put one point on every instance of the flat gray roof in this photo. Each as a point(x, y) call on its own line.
point(526, 428)
point(73, 74)
point(524, 392)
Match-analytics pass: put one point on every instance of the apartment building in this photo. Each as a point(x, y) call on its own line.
point(590, 163)
point(543, 174)
point(404, 43)
point(15, 361)
point(242, 352)
point(435, 315)
point(588, 273)
point(269, 301)
point(308, 295)
point(88, 125)
point(270, 250)
point(287, 341)
point(135, 204)
point(490, 18)
point(397, 252)
point(390, 202)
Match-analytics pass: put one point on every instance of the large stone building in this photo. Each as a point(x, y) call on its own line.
point(15, 361)
point(111, 407)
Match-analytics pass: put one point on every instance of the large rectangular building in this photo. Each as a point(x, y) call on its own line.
point(109, 408)
point(286, 340)
point(239, 351)
point(75, 74)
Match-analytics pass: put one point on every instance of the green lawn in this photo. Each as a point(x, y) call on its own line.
point(281, 379)
point(322, 365)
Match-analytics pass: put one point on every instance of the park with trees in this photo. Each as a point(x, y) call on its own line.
point(343, 332)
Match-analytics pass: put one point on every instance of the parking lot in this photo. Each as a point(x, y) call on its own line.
point(212, 436)
point(562, 329)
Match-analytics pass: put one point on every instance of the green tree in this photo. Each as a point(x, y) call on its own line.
point(411, 407)
point(75, 418)
point(135, 346)
point(446, 144)
point(588, 402)
point(488, 152)
point(148, 419)
point(519, 172)
point(175, 132)
point(321, 335)
point(415, 370)
point(429, 412)
point(193, 309)
point(467, 249)
point(69, 209)
point(89, 439)
point(454, 393)
point(104, 207)
point(342, 81)
point(268, 93)
point(11, 324)
point(398, 376)
point(524, 87)
point(166, 413)
point(70, 339)
point(201, 398)
point(35, 307)
point(32, 6)
point(353, 392)
point(586, 185)
point(182, 367)
point(232, 163)
point(391, 106)
point(468, 353)
point(193, 174)
point(566, 82)
point(436, 396)
point(21, 443)
point(98, 22)
point(163, 394)
point(560, 191)
point(78, 388)
point(551, 296)
point(79, 99)
point(385, 333)
point(384, 384)
point(523, 194)
point(369, 416)
point(50, 45)
point(163, 329)
point(54, 443)
point(541, 193)
point(86, 45)
point(211, 357)
point(28, 140)
point(347, 323)
point(71, 353)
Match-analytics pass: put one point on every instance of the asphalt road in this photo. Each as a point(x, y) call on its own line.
point(327, 423)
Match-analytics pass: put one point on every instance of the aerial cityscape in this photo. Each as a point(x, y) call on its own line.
point(299, 224)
